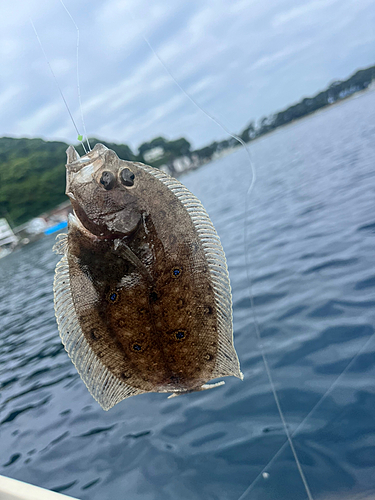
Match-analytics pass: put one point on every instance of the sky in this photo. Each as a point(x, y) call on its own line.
point(240, 60)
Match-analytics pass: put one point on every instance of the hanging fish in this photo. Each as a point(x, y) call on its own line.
point(142, 293)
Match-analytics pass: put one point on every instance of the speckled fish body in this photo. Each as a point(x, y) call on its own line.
point(142, 293)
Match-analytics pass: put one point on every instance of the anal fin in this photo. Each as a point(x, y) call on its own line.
point(204, 387)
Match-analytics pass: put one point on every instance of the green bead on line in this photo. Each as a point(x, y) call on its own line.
point(80, 137)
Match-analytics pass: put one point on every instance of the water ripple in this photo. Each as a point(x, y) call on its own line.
point(310, 259)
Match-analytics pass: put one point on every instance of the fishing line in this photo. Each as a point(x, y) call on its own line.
point(268, 371)
point(289, 435)
point(78, 84)
point(58, 86)
point(313, 410)
point(270, 379)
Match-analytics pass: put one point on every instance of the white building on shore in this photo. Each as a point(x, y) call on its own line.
point(153, 154)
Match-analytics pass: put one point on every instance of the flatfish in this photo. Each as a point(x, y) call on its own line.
point(142, 293)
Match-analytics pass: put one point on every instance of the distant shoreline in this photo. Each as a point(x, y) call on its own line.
point(356, 95)
point(239, 146)
point(32, 171)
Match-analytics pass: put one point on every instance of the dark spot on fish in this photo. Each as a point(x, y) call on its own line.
point(125, 375)
point(180, 335)
point(127, 177)
point(176, 272)
point(207, 310)
point(113, 297)
point(137, 347)
point(121, 323)
point(142, 311)
point(175, 379)
point(100, 354)
point(208, 357)
point(108, 180)
point(154, 296)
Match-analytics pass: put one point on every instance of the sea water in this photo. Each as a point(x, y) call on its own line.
point(309, 264)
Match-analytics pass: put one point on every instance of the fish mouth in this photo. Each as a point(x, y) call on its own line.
point(82, 170)
point(75, 162)
point(85, 166)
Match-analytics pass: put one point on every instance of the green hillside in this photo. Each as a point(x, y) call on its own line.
point(32, 171)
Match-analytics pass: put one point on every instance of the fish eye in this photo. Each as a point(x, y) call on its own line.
point(108, 180)
point(127, 177)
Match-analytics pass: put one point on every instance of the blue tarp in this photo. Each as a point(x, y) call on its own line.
point(57, 227)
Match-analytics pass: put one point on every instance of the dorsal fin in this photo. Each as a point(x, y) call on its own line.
point(61, 245)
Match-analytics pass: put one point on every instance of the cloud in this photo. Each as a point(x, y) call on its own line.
point(240, 60)
point(278, 56)
point(302, 11)
point(7, 96)
point(40, 119)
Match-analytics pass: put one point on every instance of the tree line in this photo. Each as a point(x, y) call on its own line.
point(32, 171)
